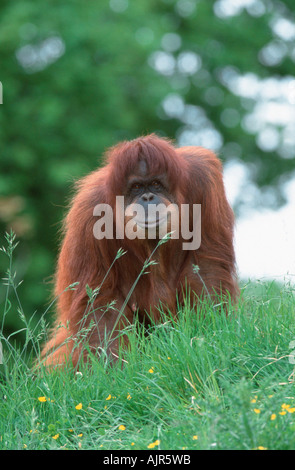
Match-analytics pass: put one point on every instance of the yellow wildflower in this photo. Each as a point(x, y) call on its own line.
point(151, 370)
point(42, 399)
point(195, 438)
point(55, 437)
point(79, 406)
point(273, 417)
point(122, 427)
point(153, 444)
point(285, 406)
point(108, 397)
point(257, 411)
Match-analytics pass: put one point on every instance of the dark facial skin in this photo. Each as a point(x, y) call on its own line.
point(146, 189)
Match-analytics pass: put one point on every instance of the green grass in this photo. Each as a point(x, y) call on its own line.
point(206, 381)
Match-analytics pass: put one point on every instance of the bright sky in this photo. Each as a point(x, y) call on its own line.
point(265, 239)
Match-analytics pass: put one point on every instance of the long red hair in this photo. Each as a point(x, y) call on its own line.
point(195, 177)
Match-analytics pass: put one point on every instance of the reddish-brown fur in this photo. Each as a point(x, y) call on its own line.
point(195, 177)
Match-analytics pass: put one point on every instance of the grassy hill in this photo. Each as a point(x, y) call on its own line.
point(209, 380)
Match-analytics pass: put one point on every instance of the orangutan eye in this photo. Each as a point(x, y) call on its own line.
point(156, 184)
point(136, 187)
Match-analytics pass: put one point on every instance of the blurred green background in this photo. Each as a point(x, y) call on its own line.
point(79, 76)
